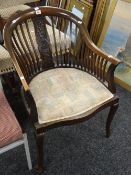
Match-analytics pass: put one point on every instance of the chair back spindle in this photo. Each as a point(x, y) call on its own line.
point(39, 43)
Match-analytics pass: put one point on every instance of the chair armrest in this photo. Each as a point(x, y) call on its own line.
point(89, 43)
point(100, 65)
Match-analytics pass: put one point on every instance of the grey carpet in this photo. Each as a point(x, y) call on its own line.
point(81, 149)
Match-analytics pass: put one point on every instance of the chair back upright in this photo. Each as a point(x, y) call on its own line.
point(37, 43)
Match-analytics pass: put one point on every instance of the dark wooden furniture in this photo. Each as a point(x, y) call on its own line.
point(66, 79)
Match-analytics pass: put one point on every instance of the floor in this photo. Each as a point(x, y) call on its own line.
point(81, 149)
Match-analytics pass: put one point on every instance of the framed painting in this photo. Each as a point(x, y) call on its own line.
point(118, 37)
point(117, 41)
point(81, 8)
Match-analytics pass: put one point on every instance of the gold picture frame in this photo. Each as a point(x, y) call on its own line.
point(82, 7)
point(117, 39)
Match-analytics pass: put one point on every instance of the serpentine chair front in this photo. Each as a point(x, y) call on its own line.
point(66, 79)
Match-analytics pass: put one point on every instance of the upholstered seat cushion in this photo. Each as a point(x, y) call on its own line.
point(6, 64)
point(67, 93)
point(10, 129)
point(6, 12)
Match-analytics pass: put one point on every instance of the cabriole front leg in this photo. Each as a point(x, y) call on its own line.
point(111, 115)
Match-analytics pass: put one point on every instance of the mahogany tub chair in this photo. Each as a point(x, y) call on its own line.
point(66, 79)
point(11, 135)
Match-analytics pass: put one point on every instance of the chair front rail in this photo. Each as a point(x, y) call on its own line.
point(45, 127)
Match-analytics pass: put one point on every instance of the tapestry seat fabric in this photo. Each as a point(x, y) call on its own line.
point(67, 93)
point(10, 130)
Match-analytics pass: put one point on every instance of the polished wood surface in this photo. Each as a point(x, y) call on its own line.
point(33, 55)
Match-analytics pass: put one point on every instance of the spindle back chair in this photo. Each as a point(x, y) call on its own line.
point(66, 79)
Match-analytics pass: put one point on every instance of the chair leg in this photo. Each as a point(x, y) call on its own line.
point(111, 115)
point(27, 152)
point(39, 142)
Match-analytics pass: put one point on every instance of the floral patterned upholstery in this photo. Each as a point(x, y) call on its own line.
point(67, 93)
point(10, 129)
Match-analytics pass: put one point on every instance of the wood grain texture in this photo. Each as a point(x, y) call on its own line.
point(55, 38)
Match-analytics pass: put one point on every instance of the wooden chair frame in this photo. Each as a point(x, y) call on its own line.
point(100, 71)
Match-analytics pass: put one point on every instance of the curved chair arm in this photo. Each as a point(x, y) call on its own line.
point(92, 46)
point(102, 66)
